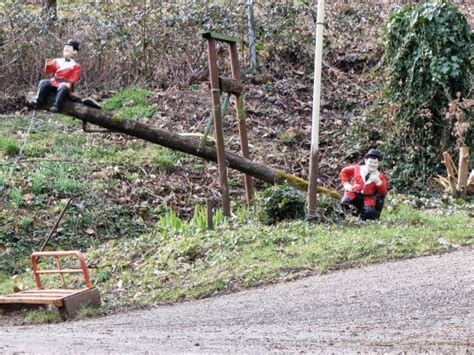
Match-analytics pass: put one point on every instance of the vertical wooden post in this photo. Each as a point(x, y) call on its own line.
point(210, 214)
point(463, 169)
point(450, 167)
point(244, 144)
point(216, 102)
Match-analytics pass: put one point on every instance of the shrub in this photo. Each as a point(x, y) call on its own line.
point(428, 62)
point(281, 202)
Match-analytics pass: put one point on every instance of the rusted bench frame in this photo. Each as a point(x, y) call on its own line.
point(68, 301)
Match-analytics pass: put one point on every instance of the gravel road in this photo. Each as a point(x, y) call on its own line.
point(423, 304)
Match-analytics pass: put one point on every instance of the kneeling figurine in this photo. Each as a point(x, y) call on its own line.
point(365, 187)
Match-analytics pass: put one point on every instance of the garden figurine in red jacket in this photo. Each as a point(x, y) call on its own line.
point(66, 73)
point(364, 186)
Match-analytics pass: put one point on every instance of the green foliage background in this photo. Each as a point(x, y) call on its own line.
point(428, 64)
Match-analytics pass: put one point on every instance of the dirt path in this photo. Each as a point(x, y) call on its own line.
point(417, 305)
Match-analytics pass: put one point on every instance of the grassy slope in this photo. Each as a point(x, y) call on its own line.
point(154, 256)
point(122, 185)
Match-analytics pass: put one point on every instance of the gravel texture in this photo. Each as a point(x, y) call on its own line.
point(416, 305)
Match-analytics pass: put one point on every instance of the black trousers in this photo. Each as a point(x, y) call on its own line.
point(45, 88)
point(365, 212)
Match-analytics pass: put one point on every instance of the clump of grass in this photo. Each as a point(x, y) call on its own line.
point(53, 176)
point(165, 160)
point(43, 316)
point(288, 139)
point(25, 223)
point(90, 312)
point(131, 103)
point(67, 184)
point(16, 196)
point(9, 146)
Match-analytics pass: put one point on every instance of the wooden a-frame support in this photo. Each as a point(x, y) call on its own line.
point(233, 86)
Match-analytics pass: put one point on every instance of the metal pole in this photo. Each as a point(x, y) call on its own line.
point(51, 232)
point(216, 102)
point(244, 143)
point(314, 156)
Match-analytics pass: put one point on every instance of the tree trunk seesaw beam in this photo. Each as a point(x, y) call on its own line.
point(175, 141)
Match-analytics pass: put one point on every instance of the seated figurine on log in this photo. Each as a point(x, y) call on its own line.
point(66, 74)
point(364, 187)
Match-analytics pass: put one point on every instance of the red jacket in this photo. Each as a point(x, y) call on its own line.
point(355, 174)
point(65, 71)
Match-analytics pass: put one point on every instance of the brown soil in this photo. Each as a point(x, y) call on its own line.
point(416, 305)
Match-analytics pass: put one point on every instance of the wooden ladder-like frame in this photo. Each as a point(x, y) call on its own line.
point(68, 301)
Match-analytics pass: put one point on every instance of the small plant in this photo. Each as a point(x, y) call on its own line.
point(169, 220)
point(165, 160)
point(39, 183)
point(287, 139)
point(66, 184)
point(25, 223)
point(16, 196)
point(282, 202)
point(9, 146)
point(199, 219)
point(90, 312)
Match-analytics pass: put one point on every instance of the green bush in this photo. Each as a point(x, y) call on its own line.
point(281, 202)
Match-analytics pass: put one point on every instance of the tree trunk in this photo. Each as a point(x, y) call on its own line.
point(183, 144)
point(252, 45)
point(50, 10)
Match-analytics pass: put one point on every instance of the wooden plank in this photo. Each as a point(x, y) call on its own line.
point(33, 295)
point(220, 37)
point(59, 290)
point(73, 303)
point(448, 162)
point(54, 297)
point(244, 145)
point(62, 271)
point(219, 131)
point(463, 169)
point(233, 86)
point(32, 300)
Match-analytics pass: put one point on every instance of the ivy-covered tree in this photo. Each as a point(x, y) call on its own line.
point(428, 60)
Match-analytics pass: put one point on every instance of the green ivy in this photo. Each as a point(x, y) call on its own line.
point(428, 60)
point(281, 202)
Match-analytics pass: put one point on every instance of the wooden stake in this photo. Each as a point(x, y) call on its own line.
point(219, 131)
point(244, 144)
point(450, 167)
point(463, 170)
point(210, 214)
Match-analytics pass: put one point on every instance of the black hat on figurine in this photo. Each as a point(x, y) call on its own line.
point(374, 153)
point(73, 43)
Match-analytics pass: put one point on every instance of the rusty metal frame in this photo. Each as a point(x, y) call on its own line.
point(61, 272)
